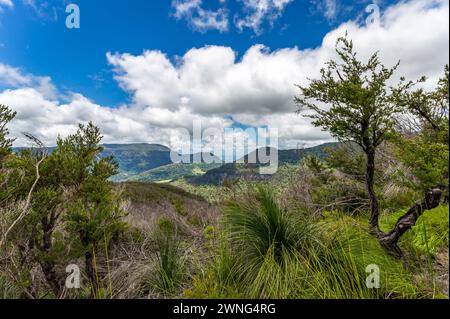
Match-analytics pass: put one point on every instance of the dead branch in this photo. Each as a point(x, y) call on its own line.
point(30, 193)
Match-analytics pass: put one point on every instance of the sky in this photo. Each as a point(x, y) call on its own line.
point(143, 69)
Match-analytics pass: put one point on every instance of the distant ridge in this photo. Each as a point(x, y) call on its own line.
point(250, 171)
point(152, 163)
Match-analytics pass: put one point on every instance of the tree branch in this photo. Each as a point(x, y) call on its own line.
point(408, 220)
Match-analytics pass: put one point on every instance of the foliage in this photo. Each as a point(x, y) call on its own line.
point(73, 209)
point(426, 152)
point(173, 172)
point(265, 238)
point(93, 214)
point(6, 116)
point(338, 269)
point(348, 159)
point(360, 107)
point(360, 110)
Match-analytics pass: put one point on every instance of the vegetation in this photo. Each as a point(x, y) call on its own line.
point(363, 111)
point(226, 232)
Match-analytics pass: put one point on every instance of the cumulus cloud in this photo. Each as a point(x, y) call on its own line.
point(48, 119)
point(259, 11)
point(211, 80)
point(201, 19)
point(214, 84)
point(12, 76)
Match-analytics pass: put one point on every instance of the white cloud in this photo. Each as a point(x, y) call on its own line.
point(259, 11)
point(210, 80)
point(200, 19)
point(254, 14)
point(331, 8)
point(48, 118)
point(14, 78)
point(211, 83)
point(6, 3)
point(328, 8)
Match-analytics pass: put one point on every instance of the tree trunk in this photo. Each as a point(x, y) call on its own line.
point(52, 278)
point(48, 266)
point(90, 272)
point(407, 221)
point(370, 176)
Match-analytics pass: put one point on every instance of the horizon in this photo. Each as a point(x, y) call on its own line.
point(237, 156)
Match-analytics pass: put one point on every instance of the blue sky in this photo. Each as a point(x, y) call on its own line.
point(33, 36)
point(141, 69)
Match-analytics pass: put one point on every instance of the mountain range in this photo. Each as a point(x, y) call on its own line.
point(152, 163)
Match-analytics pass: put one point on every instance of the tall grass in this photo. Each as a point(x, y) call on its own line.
point(169, 267)
point(266, 240)
point(270, 252)
point(338, 268)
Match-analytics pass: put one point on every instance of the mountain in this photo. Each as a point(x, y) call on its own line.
point(175, 171)
point(136, 158)
point(152, 163)
point(132, 158)
point(251, 171)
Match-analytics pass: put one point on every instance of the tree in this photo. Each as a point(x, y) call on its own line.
point(353, 102)
point(360, 108)
point(425, 153)
point(71, 209)
point(93, 214)
point(426, 150)
point(6, 115)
